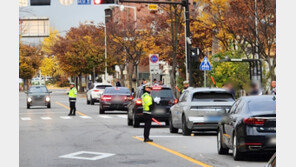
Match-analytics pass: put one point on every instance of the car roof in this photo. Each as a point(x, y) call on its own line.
point(200, 89)
point(102, 84)
point(117, 87)
point(259, 98)
point(163, 86)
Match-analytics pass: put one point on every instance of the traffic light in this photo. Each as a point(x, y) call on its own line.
point(39, 2)
point(195, 54)
point(108, 15)
point(98, 2)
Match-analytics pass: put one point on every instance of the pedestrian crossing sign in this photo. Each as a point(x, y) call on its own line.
point(205, 65)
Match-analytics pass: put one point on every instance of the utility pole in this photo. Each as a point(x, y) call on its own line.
point(188, 40)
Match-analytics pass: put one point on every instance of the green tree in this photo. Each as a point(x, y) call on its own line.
point(223, 72)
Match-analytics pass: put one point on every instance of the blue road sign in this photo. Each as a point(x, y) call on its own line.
point(154, 58)
point(205, 65)
point(84, 2)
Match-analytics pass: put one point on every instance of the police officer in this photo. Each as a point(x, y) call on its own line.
point(72, 99)
point(185, 86)
point(147, 103)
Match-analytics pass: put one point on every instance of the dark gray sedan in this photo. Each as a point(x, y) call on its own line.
point(38, 95)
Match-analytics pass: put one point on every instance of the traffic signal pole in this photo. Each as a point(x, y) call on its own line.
point(185, 4)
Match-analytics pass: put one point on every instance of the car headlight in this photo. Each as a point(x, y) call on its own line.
point(47, 99)
point(29, 99)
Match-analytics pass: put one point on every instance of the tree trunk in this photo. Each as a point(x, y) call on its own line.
point(80, 83)
point(130, 76)
point(122, 76)
point(136, 71)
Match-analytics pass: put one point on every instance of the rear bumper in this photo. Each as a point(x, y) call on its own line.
point(159, 117)
point(257, 144)
point(114, 106)
point(203, 123)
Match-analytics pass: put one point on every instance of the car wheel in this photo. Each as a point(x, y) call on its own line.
point(237, 155)
point(28, 106)
point(87, 101)
point(92, 102)
point(48, 105)
point(136, 122)
point(102, 111)
point(172, 129)
point(185, 130)
point(220, 145)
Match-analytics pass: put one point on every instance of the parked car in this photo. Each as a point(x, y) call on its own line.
point(95, 91)
point(200, 109)
point(161, 110)
point(38, 95)
point(115, 98)
point(250, 126)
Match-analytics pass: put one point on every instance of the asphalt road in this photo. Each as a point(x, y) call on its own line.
point(48, 137)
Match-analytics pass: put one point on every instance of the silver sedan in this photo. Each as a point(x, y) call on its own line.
point(200, 109)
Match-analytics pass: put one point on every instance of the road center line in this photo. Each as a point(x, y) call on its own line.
point(175, 153)
point(80, 113)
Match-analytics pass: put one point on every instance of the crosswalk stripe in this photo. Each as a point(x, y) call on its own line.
point(26, 118)
point(104, 116)
point(65, 117)
point(45, 118)
point(85, 117)
point(122, 116)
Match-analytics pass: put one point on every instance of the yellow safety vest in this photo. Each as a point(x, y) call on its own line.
point(146, 101)
point(73, 93)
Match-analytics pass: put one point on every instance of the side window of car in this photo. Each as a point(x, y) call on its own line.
point(234, 106)
point(240, 107)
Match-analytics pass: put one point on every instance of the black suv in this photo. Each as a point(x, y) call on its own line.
point(161, 111)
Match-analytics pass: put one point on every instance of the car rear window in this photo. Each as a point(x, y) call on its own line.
point(261, 106)
point(38, 89)
point(102, 86)
point(162, 93)
point(118, 90)
point(212, 96)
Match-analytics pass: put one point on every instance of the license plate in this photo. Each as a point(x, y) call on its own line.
point(159, 111)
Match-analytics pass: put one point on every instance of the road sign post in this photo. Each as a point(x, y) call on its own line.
point(154, 66)
point(205, 66)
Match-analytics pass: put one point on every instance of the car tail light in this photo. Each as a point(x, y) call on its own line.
point(139, 102)
point(175, 101)
point(106, 98)
point(254, 121)
point(96, 90)
point(128, 98)
point(156, 88)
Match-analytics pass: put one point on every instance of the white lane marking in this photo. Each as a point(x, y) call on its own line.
point(104, 116)
point(45, 118)
point(161, 136)
point(65, 117)
point(85, 117)
point(79, 155)
point(26, 118)
point(122, 116)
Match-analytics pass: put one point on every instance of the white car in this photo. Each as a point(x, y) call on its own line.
point(95, 91)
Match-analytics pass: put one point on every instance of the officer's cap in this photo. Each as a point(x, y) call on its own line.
point(72, 83)
point(185, 82)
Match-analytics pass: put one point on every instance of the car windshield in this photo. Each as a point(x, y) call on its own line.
point(116, 91)
point(262, 106)
point(212, 96)
point(162, 93)
point(102, 86)
point(38, 89)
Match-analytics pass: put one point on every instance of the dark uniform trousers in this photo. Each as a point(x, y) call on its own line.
point(72, 106)
point(147, 127)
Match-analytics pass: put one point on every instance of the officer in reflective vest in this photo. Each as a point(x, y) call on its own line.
point(72, 99)
point(147, 103)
